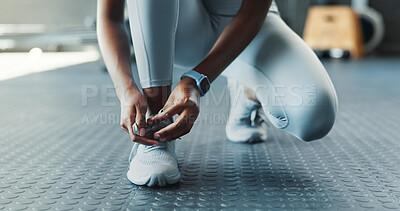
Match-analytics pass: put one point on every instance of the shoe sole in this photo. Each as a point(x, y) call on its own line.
point(255, 138)
point(153, 179)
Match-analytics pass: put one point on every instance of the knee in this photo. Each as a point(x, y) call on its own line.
point(318, 120)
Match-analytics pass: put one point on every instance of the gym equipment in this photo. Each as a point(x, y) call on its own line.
point(372, 24)
point(334, 27)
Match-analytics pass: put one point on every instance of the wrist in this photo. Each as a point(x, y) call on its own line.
point(128, 92)
point(188, 81)
point(122, 86)
point(189, 84)
point(200, 81)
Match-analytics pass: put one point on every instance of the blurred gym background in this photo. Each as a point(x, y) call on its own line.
point(40, 28)
point(65, 25)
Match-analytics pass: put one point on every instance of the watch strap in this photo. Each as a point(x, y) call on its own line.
point(198, 77)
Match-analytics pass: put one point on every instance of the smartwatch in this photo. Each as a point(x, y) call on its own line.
point(202, 82)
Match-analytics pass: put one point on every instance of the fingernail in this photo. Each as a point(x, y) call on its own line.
point(156, 143)
point(162, 139)
point(156, 136)
point(142, 132)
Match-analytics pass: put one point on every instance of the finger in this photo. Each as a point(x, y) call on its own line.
point(141, 119)
point(175, 127)
point(123, 126)
point(167, 113)
point(130, 130)
point(183, 131)
point(136, 138)
point(150, 134)
point(183, 126)
point(144, 140)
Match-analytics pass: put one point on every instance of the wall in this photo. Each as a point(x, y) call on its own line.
point(54, 14)
point(294, 12)
point(64, 14)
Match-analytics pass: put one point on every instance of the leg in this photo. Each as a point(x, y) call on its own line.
point(288, 79)
point(149, 20)
point(156, 98)
point(153, 24)
point(195, 34)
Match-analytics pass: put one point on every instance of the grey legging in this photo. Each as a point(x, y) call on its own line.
point(292, 85)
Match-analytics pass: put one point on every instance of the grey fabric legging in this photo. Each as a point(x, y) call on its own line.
point(292, 85)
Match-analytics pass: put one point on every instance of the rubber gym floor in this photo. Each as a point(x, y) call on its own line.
point(62, 148)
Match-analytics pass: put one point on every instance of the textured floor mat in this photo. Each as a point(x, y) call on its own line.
point(61, 148)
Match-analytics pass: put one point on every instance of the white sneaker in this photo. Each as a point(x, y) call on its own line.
point(153, 165)
point(240, 126)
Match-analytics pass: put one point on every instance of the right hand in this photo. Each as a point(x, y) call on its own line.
point(133, 110)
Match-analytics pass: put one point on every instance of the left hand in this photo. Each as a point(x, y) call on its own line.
point(184, 100)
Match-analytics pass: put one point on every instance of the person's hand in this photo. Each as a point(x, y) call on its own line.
point(133, 110)
point(184, 100)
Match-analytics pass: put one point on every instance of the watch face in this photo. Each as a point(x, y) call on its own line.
point(204, 85)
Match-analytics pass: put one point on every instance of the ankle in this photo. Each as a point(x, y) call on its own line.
point(251, 95)
point(156, 98)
